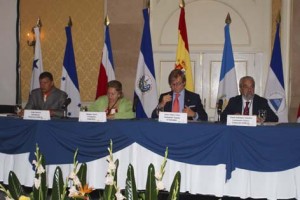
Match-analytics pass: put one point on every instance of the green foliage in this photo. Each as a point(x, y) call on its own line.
point(151, 192)
point(82, 173)
point(130, 189)
point(58, 185)
point(40, 193)
point(14, 186)
point(110, 190)
point(153, 185)
point(175, 187)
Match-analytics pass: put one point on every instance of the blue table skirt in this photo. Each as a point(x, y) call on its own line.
point(262, 148)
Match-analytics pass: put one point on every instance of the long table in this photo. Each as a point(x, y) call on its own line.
point(257, 162)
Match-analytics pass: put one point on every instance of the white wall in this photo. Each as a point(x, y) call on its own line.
point(8, 52)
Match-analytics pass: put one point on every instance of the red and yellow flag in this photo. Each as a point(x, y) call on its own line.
point(183, 56)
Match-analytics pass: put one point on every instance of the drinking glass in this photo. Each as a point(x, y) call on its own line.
point(262, 114)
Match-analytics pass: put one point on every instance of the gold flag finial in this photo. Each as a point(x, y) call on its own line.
point(106, 21)
point(228, 19)
point(182, 4)
point(70, 23)
point(278, 20)
point(39, 23)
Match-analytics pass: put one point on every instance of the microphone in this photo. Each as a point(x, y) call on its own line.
point(66, 103)
point(220, 106)
point(135, 101)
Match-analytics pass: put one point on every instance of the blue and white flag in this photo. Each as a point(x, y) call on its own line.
point(37, 66)
point(145, 93)
point(69, 81)
point(275, 83)
point(228, 83)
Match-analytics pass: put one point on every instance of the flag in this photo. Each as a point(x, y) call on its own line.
point(107, 72)
point(145, 93)
point(298, 115)
point(69, 81)
point(228, 82)
point(274, 91)
point(37, 66)
point(183, 61)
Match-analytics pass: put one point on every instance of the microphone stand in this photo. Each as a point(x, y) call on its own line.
point(65, 116)
point(219, 114)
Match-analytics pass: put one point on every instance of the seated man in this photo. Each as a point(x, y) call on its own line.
point(180, 99)
point(248, 103)
point(47, 97)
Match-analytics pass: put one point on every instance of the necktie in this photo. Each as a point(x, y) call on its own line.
point(246, 109)
point(45, 97)
point(175, 107)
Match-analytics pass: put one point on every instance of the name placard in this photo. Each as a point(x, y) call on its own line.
point(172, 117)
point(92, 117)
point(37, 115)
point(241, 120)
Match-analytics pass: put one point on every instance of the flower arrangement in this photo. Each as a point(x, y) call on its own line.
point(79, 189)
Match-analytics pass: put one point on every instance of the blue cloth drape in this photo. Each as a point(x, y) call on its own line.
point(262, 148)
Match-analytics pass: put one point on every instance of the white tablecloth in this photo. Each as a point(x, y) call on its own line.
point(207, 180)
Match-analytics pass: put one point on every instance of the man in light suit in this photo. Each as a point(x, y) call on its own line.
point(180, 99)
point(47, 97)
point(248, 101)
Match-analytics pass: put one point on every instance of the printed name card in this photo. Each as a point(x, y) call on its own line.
point(172, 117)
point(37, 115)
point(241, 120)
point(92, 117)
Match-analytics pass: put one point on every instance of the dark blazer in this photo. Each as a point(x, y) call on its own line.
point(235, 105)
point(54, 101)
point(190, 98)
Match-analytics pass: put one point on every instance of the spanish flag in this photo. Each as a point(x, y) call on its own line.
point(183, 61)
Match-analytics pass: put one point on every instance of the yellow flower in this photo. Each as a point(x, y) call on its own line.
point(22, 197)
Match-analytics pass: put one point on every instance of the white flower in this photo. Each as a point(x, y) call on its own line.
point(73, 192)
point(158, 175)
point(109, 180)
point(34, 162)
point(40, 169)
point(76, 181)
point(37, 182)
point(119, 195)
point(108, 158)
point(72, 175)
point(160, 185)
point(111, 166)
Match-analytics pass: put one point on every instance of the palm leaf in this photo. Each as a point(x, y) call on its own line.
point(175, 187)
point(14, 185)
point(151, 192)
point(130, 189)
point(58, 184)
point(82, 173)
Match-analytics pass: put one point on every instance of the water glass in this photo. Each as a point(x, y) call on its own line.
point(262, 114)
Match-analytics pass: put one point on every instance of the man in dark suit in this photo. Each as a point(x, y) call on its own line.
point(180, 99)
point(248, 103)
point(47, 97)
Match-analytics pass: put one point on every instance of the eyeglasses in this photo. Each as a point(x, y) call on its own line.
point(176, 84)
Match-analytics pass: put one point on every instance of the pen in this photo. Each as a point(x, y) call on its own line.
point(192, 106)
